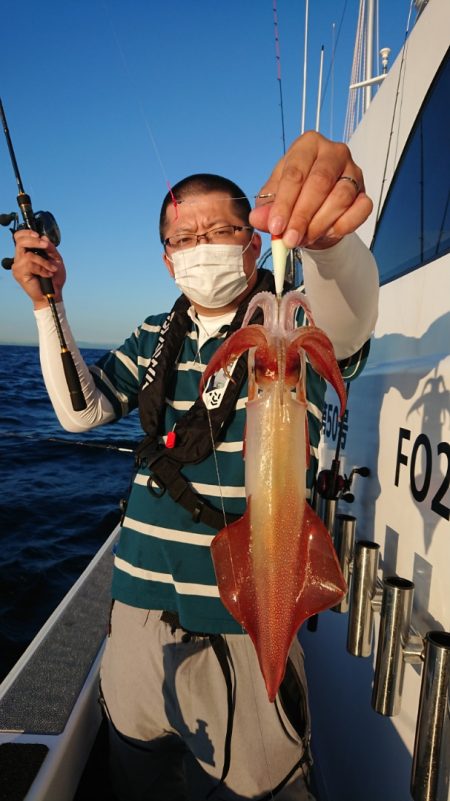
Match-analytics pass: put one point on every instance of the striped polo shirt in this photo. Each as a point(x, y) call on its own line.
point(163, 559)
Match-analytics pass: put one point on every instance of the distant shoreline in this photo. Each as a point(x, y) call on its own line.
point(90, 345)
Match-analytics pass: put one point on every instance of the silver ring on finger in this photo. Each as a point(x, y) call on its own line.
point(352, 180)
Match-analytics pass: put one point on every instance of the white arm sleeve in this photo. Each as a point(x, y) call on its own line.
point(341, 284)
point(99, 410)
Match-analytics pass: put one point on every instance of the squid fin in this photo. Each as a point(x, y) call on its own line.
point(317, 584)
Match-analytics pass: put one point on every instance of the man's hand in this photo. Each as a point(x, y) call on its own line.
point(27, 266)
point(315, 194)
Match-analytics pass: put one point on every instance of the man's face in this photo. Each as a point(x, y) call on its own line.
point(199, 213)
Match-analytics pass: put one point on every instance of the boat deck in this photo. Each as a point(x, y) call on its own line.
point(49, 717)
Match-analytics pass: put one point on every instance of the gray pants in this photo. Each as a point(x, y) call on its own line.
point(167, 702)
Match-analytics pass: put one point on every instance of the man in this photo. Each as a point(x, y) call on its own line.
point(180, 681)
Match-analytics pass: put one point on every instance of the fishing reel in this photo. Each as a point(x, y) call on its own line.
point(331, 485)
point(45, 225)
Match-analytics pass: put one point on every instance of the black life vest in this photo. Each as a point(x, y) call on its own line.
point(197, 432)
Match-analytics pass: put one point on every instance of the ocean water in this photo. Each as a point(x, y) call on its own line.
point(59, 497)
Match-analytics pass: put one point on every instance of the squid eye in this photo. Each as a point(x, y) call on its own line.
point(293, 368)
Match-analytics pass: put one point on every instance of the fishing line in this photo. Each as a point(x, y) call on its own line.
point(176, 202)
point(247, 643)
point(136, 94)
point(216, 462)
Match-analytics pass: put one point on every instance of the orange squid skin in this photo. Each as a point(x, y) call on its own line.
point(276, 566)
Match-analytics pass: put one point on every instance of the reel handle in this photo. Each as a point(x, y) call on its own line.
point(46, 284)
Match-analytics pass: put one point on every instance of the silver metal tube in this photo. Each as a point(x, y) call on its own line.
point(371, 82)
point(430, 777)
point(326, 509)
point(393, 637)
point(344, 542)
point(364, 583)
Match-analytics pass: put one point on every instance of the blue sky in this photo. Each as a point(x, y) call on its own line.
point(108, 100)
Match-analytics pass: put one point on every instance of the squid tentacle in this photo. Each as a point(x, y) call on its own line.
point(289, 305)
point(321, 356)
point(268, 303)
point(243, 339)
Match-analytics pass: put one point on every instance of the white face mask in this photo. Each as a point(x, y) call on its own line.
point(211, 275)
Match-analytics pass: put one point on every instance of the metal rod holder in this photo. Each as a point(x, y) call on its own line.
point(393, 642)
point(326, 509)
point(363, 598)
point(430, 777)
point(344, 543)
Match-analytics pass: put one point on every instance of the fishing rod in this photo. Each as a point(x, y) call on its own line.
point(329, 483)
point(107, 446)
point(44, 223)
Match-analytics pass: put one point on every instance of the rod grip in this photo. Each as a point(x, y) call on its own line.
point(73, 382)
point(46, 284)
point(29, 218)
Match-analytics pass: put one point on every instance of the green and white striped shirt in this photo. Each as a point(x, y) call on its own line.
point(163, 559)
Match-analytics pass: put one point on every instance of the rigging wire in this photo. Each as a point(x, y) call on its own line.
point(354, 105)
point(398, 99)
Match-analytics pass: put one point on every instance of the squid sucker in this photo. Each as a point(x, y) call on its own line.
point(276, 566)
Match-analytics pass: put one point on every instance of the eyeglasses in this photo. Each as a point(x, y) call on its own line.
point(216, 236)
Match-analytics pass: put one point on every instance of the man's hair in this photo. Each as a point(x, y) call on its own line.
point(201, 183)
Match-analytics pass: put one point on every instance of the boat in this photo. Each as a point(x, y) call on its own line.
point(393, 456)
point(370, 691)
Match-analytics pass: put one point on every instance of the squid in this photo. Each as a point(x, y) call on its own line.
point(276, 565)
